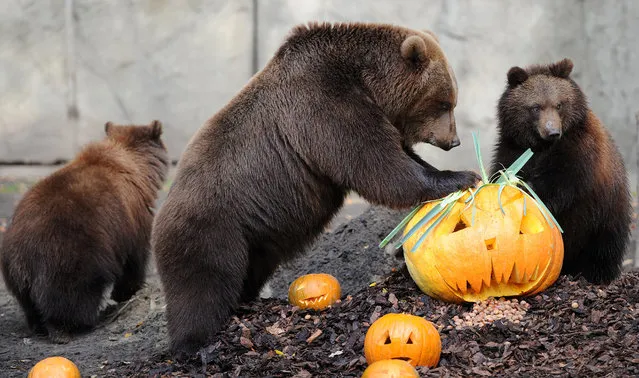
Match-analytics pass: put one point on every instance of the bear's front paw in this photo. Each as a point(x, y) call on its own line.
point(452, 181)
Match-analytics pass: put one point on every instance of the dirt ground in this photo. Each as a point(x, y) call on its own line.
point(598, 337)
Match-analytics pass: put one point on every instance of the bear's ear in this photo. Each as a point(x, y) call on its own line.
point(430, 32)
point(516, 76)
point(414, 50)
point(561, 69)
point(107, 127)
point(156, 129)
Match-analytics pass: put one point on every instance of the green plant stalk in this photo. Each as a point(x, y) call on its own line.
point(484, 176)
point(401, 225)
point(449, 208)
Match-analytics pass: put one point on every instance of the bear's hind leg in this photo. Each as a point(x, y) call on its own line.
point(262, 264)
point(202, 289)
point(34, 320)
point(132, 278)
point(71, 308)
point(601, 258)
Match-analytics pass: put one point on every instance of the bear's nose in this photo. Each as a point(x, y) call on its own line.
point(552, 132)
point(455, 142)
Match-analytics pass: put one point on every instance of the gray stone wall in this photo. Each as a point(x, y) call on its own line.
point(180, 62)
point(131, 61)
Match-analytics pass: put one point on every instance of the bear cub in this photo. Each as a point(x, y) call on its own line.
point(337, 108)
point(83, 228)
point(576, 168)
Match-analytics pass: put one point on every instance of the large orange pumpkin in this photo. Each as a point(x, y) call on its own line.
point(501, 243)
point(314, 291)
point(402, 336)
point(390, 369)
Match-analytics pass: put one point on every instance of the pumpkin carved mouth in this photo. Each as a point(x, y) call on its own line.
point(314, 300)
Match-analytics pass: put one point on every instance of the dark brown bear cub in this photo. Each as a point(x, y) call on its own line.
point(576, 168)
point(84, 227)
point(337, 108)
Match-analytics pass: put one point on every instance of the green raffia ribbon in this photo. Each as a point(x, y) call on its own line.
point(440, 211)
point(484, 176)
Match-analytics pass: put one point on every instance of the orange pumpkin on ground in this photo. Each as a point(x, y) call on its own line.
point(390, 369)
point(402, 336)
point(314, 291)
point(499, 244)
point(54, 367)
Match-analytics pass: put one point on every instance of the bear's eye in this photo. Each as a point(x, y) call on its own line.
point(535, 108)
point(559, 106)
point(444, 106)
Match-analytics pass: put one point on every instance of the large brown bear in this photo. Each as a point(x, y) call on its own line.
point(84, 227)
point(576, 168)
point(336, 109)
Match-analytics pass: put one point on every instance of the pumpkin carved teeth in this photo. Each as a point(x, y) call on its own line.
point(314, 291)
point(313, 300)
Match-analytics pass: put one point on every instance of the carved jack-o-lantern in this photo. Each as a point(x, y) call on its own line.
point(405, 337)
point(499, 244)
point(314, 291)
point(390, 369)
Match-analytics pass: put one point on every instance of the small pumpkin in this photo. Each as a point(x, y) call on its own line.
point(501, 244)
point(405, 337)
point(54, 367)
point(314, 291)
point(390, 369)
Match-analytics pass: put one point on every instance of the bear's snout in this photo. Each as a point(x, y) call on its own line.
point(551, 131)
point(455, 142)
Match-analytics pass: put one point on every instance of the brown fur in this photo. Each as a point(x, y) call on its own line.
point(576, 169)
point(337, 109)
point(84, 227)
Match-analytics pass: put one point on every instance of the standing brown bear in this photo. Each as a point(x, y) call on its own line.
point(576, 168)
point(84, 227)
point(336, 109)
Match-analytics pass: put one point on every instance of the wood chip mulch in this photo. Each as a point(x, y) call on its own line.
point(573, 329)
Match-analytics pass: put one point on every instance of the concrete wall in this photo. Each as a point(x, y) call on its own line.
point(131, 61)
point(181, 61)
